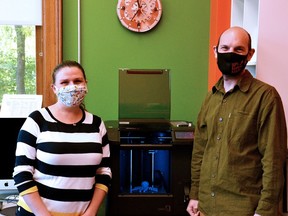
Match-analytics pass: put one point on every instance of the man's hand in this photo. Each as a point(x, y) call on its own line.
point(192, 208)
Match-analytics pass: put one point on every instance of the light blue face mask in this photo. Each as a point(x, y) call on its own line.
point(71, 95)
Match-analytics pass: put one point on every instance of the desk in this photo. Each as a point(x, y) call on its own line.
point(8, 201)
point(8, 211)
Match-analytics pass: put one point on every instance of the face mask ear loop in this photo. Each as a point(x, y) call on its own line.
point(249, 54)
point(53, 86)
point(55, 89)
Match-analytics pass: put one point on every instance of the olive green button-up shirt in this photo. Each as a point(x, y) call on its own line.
point(239, 150)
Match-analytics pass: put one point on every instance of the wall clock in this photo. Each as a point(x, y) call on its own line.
point(139, 15)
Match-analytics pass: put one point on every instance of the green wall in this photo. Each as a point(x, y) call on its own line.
point(180, 43)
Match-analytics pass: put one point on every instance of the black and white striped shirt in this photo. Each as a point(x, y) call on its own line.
point(64, 162)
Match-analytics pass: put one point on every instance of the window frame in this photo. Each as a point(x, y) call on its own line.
point(48, 48)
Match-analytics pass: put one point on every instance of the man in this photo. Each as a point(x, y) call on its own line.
point(240, 143)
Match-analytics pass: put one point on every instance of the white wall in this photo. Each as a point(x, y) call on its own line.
point(272, 55)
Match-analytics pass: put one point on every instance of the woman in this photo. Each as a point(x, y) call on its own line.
point(62, 156)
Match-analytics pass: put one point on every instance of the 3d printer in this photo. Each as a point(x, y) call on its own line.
point(150, 153)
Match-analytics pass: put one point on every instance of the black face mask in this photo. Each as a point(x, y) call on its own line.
point(231, 63)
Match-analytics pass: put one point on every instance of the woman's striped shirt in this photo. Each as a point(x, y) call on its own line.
point(64, 162)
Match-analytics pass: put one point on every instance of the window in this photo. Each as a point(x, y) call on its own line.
point(46, 56)
point(17, 60)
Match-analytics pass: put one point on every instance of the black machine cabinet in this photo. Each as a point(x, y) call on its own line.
point(150, 167)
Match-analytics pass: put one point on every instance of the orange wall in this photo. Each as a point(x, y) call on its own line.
point(220, 16)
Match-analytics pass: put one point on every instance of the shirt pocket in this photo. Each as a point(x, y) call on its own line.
point(242, 130)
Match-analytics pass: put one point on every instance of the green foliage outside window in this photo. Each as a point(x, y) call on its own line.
point(17, 60)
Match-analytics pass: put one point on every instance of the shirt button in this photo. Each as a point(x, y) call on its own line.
point(218, 137)
point(220, 119)
point(212, 194)
point(213, 175)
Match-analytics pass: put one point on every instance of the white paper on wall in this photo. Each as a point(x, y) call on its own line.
point(19, 105)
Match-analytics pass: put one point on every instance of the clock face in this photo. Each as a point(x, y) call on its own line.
point(139, 15)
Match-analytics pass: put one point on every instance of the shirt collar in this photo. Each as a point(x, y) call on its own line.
point(243, 83)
